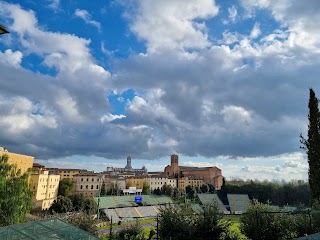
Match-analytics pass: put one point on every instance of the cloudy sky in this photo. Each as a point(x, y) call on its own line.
point(226, 83)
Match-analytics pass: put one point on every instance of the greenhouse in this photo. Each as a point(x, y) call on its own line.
point(47, 229)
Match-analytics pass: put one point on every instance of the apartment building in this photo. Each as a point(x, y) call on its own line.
point(67, 172)
point(115, 183)
point(156, 182)
point(189, 181)
point(44, 187)
point(23, 162)
point(137, 182)
point(88, 183)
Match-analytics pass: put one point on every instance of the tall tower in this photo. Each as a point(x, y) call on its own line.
point(174, 160)
point(128, 166)
point(175, 164)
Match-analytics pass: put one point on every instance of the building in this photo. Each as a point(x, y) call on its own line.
point(136, 182)
point(127, 169)
point(189, 181)
point(67, 172)
point(23, 162)
point(44, 187)
point(212, 175)
point(88, 183)
point(114, 184)
point(156, 182)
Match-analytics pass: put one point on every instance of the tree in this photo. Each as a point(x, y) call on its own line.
point(167, 190)
point(65, 187)
point(204, 188)
point(261, 223)
point(146, 189)
point(61, 205)
point(103, 189)
point(83, 203)
point(83, 221)
point(183, 223)
point(15, 194)
point(311, 145)
point(176, 194)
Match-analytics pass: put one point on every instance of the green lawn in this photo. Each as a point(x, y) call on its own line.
point(232, 218)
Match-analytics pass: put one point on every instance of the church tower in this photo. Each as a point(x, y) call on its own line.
point(175, 165)
point(128, 166)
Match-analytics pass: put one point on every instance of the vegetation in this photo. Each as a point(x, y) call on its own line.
point(15, 194)
point(61, 205)
point(261, 222)
point(278, 194)
point(311, 145)
point(146, 188)
point(84, 221)
point(183, 223)
point(76, 202)
point(65, 187)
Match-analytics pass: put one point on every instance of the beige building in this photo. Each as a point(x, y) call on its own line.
point(156, 182)
point(172, 182)
point(186, 181)
point(44, 188)
point(67, 172)
point(114, 183)
point(88, 183)
point(136, 182)
point(22, 162)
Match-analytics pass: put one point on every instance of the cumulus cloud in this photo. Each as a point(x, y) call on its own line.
point(232, 13)
point(110, 117)
point(244, 97)
point(174, 24)
point(84, 14)
point(11, 58)
point(255, 32)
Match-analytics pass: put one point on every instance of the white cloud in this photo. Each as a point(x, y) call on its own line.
point(11, 58)
point(110, 117)
point(87, 18)
point(54, 4)
point(232, 13)
point(255, 32)
point(174, 24)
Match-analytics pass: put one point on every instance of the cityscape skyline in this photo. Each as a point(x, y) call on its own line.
point(221, 83)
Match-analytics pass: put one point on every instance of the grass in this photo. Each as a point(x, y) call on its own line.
point(140, 222)
point(232, 218)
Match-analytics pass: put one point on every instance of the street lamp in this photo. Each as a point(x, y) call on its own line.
point(3, 30)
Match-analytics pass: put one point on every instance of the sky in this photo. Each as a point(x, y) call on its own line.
point(223, 83)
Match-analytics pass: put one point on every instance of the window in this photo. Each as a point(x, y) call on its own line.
point(92, 179)
point(97, 186)
point(86, 186)
point(81, 179)
point(80, 186)
point(87, 179)
point(91, 186)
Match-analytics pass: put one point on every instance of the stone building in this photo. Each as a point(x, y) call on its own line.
point(212, 175)
point(127, 169)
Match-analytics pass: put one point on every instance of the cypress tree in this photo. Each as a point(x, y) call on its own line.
point(312, 147)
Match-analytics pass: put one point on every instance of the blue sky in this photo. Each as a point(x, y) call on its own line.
point(86, 83)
